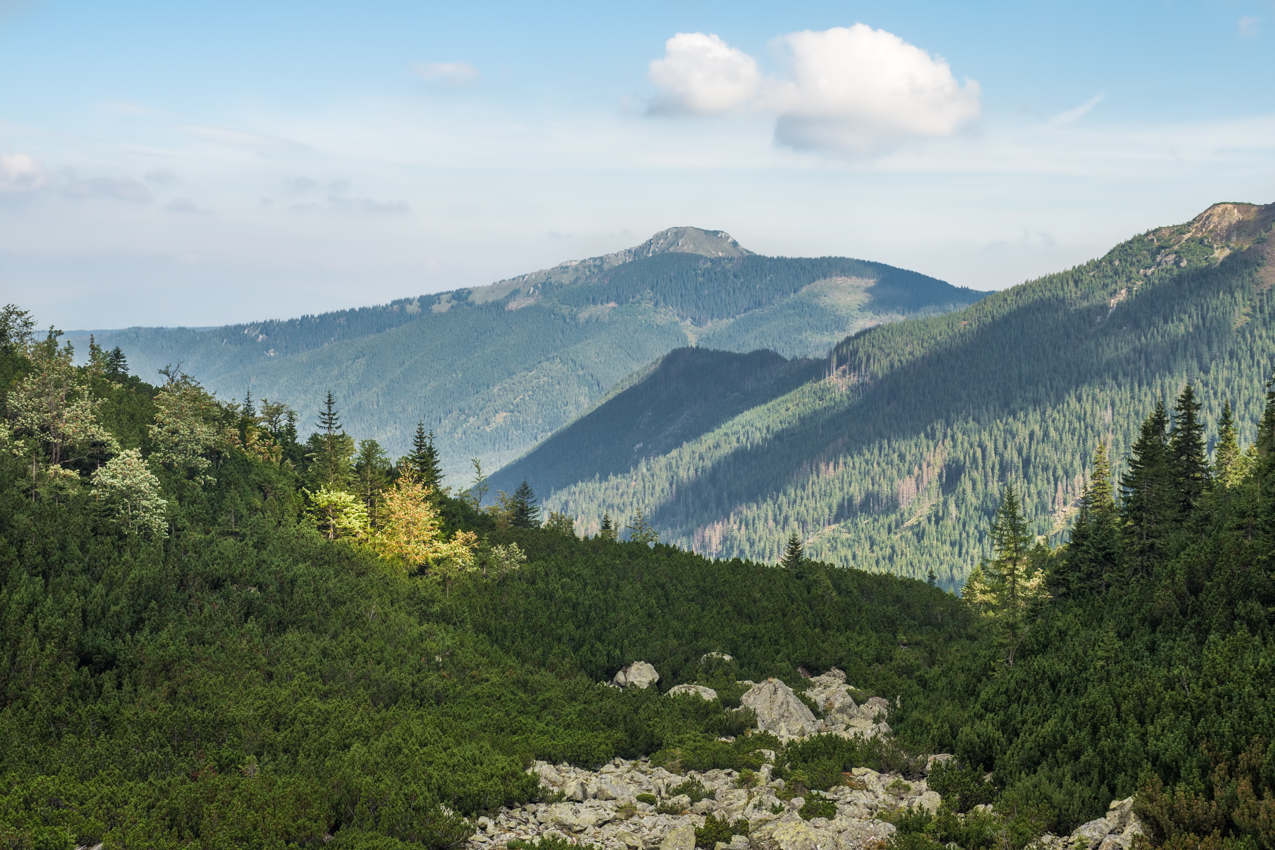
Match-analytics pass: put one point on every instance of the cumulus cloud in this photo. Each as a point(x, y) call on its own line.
point(457, 74)
point(848, 90)
point(701, 74)
point(119, 188)
point(20, 173)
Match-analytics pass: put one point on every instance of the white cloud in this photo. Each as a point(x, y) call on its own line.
point(20, 173)
point(857, 90)
point(119, 188)
point(449, 73)
point(849, 90)
point(701, 74)
point(160, 176)
point(1080, 111)
point(1248, 26)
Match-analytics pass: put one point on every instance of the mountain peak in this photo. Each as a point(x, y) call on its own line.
point(686, 240)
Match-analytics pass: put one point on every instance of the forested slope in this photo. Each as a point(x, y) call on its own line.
point(496, 369)
point(893, 460)
point(212, 635)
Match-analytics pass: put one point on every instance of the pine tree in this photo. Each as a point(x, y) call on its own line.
point(1150, 508)
point(249, 409)
point(423, 459)
point(117, 365)
point(1186, 448)
point(641, 531)
point(794, 555)
point(372, 472)
point(526, 512)
point(931, 579)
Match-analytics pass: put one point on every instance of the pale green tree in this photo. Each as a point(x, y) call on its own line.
point(641, 531)
point(337, 514)
point(126, 486)
point(1009, 586)
point(53, 418)
point(189, 426)
point(560, 523)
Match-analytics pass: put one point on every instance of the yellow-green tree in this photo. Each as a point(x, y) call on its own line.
point(411, 532)
point(337, 514)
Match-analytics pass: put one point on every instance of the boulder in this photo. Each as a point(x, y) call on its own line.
point(706, 694)
point(934, 760)
point(639, 674)
point(779, 711)
point(681, 838)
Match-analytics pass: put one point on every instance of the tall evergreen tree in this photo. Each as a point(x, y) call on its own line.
point(1150, 506)
point(526, 511)
point(1187, 451)
point(117, 364)
point(1009, 585)
point(794, 555)
point(608, 530)
point(1090, 562)
point(424, 460)
point(1226, 453)
point(330, 448)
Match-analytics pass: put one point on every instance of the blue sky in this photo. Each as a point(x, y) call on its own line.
point(206, 163)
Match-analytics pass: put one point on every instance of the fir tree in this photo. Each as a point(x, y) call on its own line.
point(794, 555)
point(330, 448)
point(116, 365)
point(641, 531)
point(526, 511)
point(249, 409)
point(1150, 510)
point(1186, 449)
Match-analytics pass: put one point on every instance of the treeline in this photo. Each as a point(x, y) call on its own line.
point(893, 460)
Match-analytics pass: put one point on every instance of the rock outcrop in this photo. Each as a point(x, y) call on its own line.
point(603, 808)
point(1116, 831)
point(639, 674)
point(706, 694)
point(779, 711)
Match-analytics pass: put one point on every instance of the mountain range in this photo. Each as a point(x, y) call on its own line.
point(892, 455)
point(494, 370)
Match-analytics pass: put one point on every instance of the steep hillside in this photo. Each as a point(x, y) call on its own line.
point(894, 458)
point(493, 370)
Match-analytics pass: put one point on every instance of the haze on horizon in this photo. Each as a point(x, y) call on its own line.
point(204, 164)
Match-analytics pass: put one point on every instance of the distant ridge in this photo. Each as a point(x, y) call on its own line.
point(495, 369)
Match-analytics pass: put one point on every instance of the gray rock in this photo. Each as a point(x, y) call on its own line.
point(941, 758)
point(706, 694)
point(639, 674)
point(681, 838)
point(779, 711)
point(1093, 832)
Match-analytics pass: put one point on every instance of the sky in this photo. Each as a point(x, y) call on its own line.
point(207, 163)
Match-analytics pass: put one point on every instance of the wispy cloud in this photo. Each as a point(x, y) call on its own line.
point(162, 176)
point(1249, 26)
point(117, 188)
point(184, 205)
point(1080, 111)
point(457, 74)
point(243, 140)
point(853, 91)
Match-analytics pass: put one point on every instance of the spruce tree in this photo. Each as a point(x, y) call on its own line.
point(526, 512)
point(1186, 448)
point(1226, 453)
point(330, 448)
point(608, 530)
point(423, 459)
point(794, 555)
point(1090, 561)
point(1150, 507)
point(117, 364)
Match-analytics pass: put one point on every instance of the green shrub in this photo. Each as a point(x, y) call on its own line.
point(961, 787)
point(649, 799)
point(715, 830)
point(815, 805)
point(694, 789)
